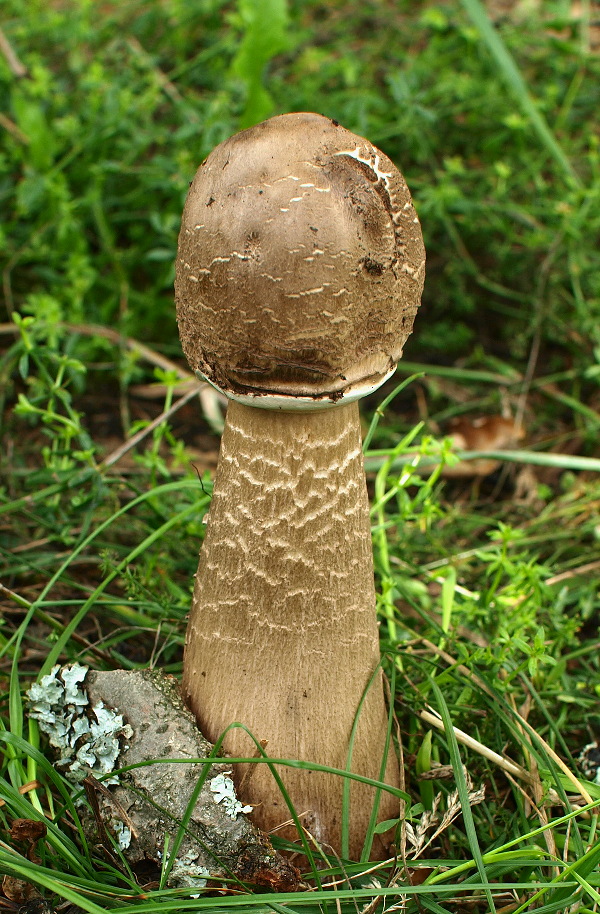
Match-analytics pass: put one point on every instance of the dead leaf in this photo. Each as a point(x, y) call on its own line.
point(482, 433)
point(18, 891)
point(28, 830)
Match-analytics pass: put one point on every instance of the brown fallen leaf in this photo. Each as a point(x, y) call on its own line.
point(18, 891)
point(28, 830)
point(484, 433)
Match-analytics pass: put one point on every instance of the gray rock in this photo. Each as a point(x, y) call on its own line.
point(142, 808)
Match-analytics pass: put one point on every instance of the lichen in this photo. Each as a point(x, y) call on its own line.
point(87, 738)
point(186, 872)
point(224, 791)
point(122, 833)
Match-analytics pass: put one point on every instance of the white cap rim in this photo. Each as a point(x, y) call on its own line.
point(289, 403)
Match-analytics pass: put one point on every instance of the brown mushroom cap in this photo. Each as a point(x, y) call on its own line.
point(300, 264)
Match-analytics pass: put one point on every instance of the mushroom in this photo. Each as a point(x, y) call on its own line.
point(299, 272)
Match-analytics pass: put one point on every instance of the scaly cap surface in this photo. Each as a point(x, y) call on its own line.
point(300, 264)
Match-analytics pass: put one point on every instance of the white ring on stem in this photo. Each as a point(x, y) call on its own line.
point(291, 403)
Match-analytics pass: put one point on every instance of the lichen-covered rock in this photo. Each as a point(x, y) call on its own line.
point(88, 739)
point(100, 722)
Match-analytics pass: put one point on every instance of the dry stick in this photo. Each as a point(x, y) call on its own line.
point(537, 787)
point(380, 865)
point(6, 284)
point(13, 129)
point(35, 544)
point(209, 397)
point(50, 621)
point(155, 358)
point(537, 333)
point(107, 333)
point(94, 785)
point(431, 717)
point(567, 575)
point(14, 64)
point(143, 433)
point(168, 87)
point(437, 722)
point(26, 788)
point(541, 814)
point(156, 390)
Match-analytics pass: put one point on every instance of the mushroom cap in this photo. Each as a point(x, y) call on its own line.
point(300, 265)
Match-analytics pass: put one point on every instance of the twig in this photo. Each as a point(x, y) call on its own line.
point(49, 620)
point(158, 391)
point(507, 765)
point(6, 283)
point(14, 64)
point(13, 129)
point(536, 342)
point(209, 398)
point(374, 459)
point(536, 800)
point(15, 597)
point(143, 433)
point(26, 788)
point(91, 782)
point(168, 87)
point(567, 575)
point(437, 722)
point(150, 355)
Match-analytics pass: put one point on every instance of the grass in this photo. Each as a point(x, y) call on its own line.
point(488, 587)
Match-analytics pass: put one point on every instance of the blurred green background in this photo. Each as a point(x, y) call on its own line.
point(490, 112)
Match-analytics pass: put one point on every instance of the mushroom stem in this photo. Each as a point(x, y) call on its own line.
point(283, 626)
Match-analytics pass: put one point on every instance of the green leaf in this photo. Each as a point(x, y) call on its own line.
point(24, 365)
point(265, 25)
point(31, 119)
point(384, 826)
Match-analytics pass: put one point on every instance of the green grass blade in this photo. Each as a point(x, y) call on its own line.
point(265, 25)
point(380, 411)
point(375, 459)
point(463, 793)
point(13, 863)
point(511, 75)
